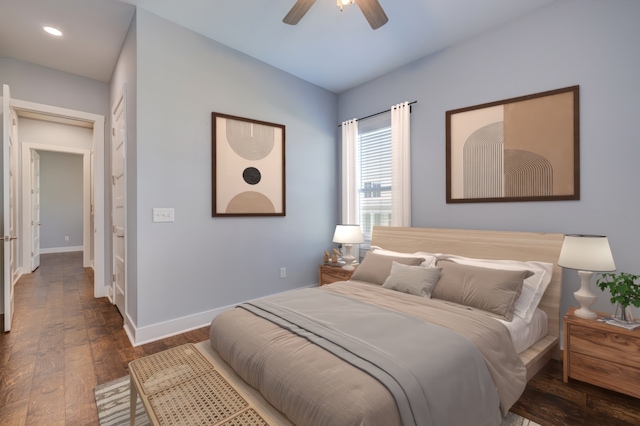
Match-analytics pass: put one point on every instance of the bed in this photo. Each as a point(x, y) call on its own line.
point(339, 354)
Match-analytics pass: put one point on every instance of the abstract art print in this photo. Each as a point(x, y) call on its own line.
point(248, 167)
point(519, 149)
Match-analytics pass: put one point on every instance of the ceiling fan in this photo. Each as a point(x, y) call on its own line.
point(371, 10)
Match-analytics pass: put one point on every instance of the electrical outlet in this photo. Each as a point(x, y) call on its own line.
point(66, 238)
point(283, 272)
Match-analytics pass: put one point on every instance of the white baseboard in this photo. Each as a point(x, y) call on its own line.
point(61, 249)
point(151, 333)
point(129, 330)
point(102, 292)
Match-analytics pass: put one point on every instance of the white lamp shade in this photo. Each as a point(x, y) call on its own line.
point(348, 234)
point(586, 253)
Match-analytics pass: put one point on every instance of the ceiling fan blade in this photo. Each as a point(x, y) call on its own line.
point(297, 11)
point(373, 12)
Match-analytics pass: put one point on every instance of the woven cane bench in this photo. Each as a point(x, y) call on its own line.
point(180, 386)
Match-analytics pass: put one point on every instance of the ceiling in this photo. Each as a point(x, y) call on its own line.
point(332, 49)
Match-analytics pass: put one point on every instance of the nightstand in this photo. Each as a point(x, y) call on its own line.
point(328, 274)
point(601, 354)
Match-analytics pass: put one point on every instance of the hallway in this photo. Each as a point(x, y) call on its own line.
point(62, 344)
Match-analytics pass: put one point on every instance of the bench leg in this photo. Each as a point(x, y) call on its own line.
point(133, 399)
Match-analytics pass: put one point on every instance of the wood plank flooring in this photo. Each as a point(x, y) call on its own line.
point(64, 342)
point(551, 402)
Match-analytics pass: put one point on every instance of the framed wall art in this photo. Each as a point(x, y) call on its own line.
point(248, 167)
point(519, 149)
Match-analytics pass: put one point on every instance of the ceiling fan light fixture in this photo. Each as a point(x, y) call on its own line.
point(371, 10)
point(343, 3)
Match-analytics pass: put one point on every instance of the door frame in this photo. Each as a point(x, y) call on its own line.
point(121, 101)
point(35, 225)
point(98, 191)
point(27, 147)
point(11, 244)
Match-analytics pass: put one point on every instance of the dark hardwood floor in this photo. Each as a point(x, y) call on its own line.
point(551, 402)
point(64, 342)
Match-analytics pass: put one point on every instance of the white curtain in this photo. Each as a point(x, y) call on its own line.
point(350, 184)
point(349, 172)
point(400, 165)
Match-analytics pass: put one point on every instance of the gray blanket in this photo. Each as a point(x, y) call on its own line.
point(415, 360)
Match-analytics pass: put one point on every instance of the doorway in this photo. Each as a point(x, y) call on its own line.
point(93, 190)
point(58, 214)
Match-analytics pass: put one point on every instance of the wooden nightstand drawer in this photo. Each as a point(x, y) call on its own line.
point(328, 274)
point(607, 374)
point(600, 344)
point(601, 354)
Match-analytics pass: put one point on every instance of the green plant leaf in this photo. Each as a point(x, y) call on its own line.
point(623, 287)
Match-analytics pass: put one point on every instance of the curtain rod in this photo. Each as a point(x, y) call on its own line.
point(381, 112)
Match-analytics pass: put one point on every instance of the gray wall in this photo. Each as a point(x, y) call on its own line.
point(590, 43)
point(60, 200)
point(43, 85)
point(199, 263)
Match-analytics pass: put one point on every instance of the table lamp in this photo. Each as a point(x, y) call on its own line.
point(348, 235)
point(587, 254)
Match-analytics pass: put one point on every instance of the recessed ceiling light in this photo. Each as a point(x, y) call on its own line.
point(53, 31)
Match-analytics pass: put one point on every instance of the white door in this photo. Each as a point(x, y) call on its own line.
point(35, 210)
point(9, 170)
point(118, 134)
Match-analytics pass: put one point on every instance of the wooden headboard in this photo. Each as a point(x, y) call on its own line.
point(497, 245)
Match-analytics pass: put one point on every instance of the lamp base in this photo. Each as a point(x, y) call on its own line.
point(585, 313)
point(348, 263)
point(585, 297)
point(348, 259)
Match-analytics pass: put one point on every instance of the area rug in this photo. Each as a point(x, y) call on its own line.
point(112, 400)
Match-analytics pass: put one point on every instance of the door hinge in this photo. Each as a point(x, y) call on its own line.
point(113, 229)
point(113, 277)
point(113, 131)
point(113, 180)
point(14, 122)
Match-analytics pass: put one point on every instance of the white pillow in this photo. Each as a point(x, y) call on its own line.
point(429, 258)
point(533, 288)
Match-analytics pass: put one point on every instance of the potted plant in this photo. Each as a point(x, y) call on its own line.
point(624, 292)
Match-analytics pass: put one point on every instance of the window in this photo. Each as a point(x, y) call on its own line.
point(374, 174)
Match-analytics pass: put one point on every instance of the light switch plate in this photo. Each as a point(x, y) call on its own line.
point(163, 215)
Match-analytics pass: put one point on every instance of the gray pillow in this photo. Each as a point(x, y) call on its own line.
point(418, 280)
point(491, 290)
point(375, 268)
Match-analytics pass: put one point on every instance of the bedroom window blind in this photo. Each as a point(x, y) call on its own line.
point(374, 174)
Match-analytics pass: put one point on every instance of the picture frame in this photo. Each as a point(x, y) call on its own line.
point(248, 167)
point(520, 149)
